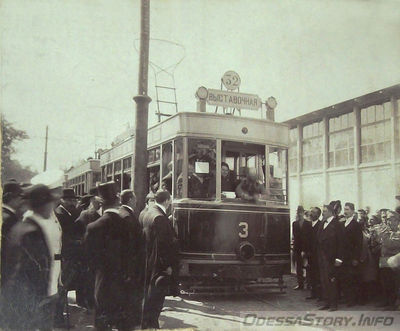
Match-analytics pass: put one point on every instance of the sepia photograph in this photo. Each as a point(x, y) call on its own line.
point(200, 165)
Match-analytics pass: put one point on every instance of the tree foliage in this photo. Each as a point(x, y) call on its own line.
point(11, 168)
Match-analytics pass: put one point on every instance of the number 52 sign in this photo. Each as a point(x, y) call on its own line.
point(231, 80)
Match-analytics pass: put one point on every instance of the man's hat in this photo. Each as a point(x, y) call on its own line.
point(12, 188)
point(39, 194)
point(163, 280)
point(331, 206)
point(394, 216)
point(68, 193)
point(86, 199)
point(94, 191)
point(108, 191)
point(150, 196)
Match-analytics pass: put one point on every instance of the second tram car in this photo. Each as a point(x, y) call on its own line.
point(226, 242)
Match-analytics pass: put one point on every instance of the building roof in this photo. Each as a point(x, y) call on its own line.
point(364, 101)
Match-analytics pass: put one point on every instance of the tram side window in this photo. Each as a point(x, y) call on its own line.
point(201, 168)
point(166, 182)
point(178, 151)
point(154, 176)
point(278, 174)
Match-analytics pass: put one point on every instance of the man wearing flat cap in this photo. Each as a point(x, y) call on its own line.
point(330, 254)
point(108, 245)
point(11, 214)
point(30, 294)
point(161, 259)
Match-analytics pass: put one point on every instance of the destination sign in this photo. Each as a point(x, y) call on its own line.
point(233, 99)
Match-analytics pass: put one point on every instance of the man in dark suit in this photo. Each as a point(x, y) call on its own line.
point(72, 251)
point(352, 240)
point(312, 255)
point(161, 259)
point(134, 294)
point(108, 244)
point(330, 255)
point(85, 288)
point(11, 215)
point(301, 239)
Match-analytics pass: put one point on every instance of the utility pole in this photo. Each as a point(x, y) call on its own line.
point(139, 170)
point(45, 148)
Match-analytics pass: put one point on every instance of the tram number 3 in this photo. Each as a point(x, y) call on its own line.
point(244, 230)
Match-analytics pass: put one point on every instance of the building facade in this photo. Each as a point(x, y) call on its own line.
point(349, 151)
point(83, 177)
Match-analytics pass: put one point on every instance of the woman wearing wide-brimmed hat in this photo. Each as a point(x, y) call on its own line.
point(30, 294)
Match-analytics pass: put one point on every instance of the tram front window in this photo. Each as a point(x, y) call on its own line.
point(242, 171)
point(201, 168)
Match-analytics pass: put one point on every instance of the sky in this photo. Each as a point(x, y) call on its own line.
point(73, 64)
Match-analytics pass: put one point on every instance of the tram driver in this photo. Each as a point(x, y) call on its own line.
point(228, 181)
point(249, 188)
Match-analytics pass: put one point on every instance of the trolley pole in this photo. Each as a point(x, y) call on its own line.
point(142, 110)
point(45, 148)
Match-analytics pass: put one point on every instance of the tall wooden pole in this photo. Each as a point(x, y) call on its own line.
point(142, 110)
point(45, 148)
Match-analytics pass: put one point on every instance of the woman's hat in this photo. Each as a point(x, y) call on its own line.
point(39, 195)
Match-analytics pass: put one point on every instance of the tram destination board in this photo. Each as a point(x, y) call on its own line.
point(233, 99)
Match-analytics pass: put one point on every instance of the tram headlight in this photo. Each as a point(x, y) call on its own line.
point(202, 93)
point(246, 251)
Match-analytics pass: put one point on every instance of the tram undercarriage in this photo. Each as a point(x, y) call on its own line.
point(226, 277)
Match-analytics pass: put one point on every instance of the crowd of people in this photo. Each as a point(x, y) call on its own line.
point(122, 263)
point(121, 266)
point(351, 258)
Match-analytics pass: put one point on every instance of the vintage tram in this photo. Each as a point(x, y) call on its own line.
point(226, 243)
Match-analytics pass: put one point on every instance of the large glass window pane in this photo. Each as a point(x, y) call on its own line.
point(201, 168)
point(178, 166)
point(166, 182)
point(278, 174)
point(387, 110)
point(345, 121)
point(379, 113)
point(243, 171)
point(371, 114)
point(363, 116)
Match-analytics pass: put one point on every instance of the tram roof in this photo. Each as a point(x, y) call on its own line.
point(227, 127)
